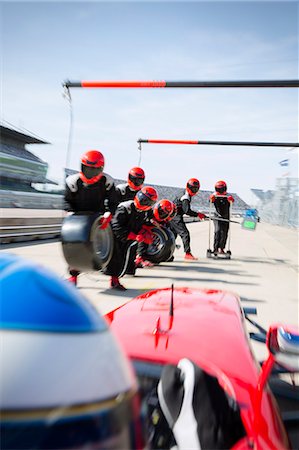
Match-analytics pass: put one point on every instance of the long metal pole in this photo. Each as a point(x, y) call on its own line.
point(236, 143)
point(184, 84)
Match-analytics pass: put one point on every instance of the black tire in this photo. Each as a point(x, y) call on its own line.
point(86, 247)
point(163, 246)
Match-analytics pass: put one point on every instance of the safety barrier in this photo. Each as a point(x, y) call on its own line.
point(20, 229)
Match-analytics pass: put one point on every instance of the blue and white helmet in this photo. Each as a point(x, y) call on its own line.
point(288, 342)
point(65, 381)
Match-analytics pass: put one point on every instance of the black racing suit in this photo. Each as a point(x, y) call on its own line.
point(80, 196)
point(89, 198)
point(177, 224)
point(222, 207)
point(124, 192)
point(127, 219)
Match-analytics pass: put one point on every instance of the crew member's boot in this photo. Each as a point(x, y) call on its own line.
point(190, 257)
point(115, 284)
point(140, 262)
point(74, 276)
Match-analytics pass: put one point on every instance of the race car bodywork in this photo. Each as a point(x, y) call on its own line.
point(208, 327)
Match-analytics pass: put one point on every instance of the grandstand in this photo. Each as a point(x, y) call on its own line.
point(19, 168)
point(280, 206)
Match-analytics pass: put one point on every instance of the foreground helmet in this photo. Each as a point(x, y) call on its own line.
point(163, 209)
point(92, 166)
point(145, 198)
point(221, 187)
point(192, 186)
point(65, 382)
point(136, 178)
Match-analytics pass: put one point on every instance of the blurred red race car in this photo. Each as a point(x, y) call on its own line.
point(207, 327)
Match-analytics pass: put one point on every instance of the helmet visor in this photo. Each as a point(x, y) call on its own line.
point(220, 189)
point(137, 181)
point(144, 200)
point(193, 188)
point(91, 172)
point(162, 213)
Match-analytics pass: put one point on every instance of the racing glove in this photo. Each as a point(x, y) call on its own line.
point(212, 198)
point(145, 236)
point(105, 220)
point(140, 237)
point(131, 236)
point(231, 199)
point(201, 216)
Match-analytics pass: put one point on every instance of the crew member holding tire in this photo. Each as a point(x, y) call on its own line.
point(90, 191)
point(127, 191)
point(128, 229)
point(160, 215)
point(222, 203)
point(183, 205)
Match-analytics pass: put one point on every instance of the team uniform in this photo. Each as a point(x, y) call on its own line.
point(89, 191)
point(125, 192)
point(96, 197)
point(183, 206)
point(126, 220)
point(222, 203)
point(127, 226)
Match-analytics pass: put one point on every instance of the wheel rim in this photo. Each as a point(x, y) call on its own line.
point(155, 247)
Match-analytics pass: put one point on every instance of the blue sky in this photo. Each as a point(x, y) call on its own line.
point(44, 43)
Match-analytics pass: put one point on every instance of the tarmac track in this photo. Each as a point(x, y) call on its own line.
point(263, 271)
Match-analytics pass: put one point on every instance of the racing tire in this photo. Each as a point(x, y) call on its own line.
point(163, 246)
point(85, 246)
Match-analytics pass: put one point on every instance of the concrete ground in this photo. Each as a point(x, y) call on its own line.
point(263, 271)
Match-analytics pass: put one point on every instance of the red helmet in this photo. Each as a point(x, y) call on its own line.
point(192, 186)
point(136, 178)
point(221, 187)
point(145, 198)
point(92, 166)
point(163, 209)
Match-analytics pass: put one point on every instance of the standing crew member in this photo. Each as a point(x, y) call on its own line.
point(127, 225)
point(183, 205)
point(88, 190)
point(127, 191)
point(222, 203)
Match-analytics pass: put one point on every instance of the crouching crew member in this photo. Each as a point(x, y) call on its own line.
point(89, 191)
point(160, 215)
point(127, 225)
point(222, 203)
point(183, 205)
point(127, 191)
